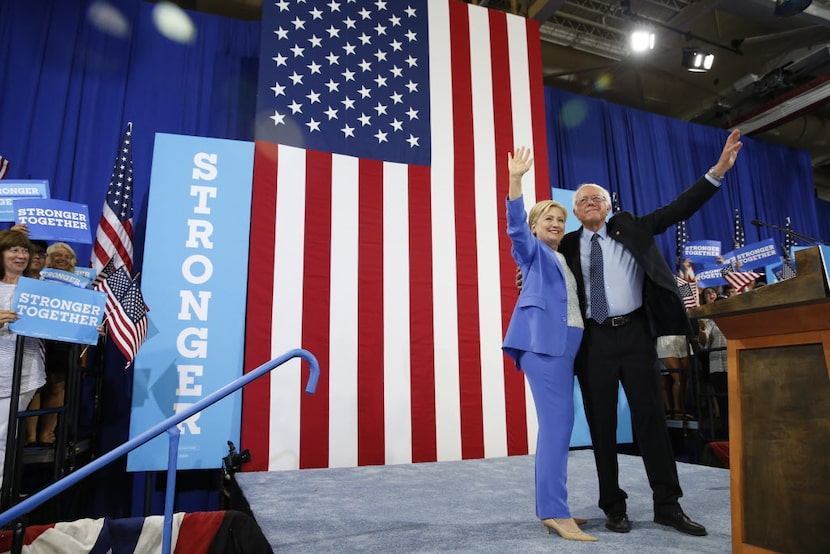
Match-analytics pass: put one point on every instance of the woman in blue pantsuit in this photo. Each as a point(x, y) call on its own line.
point(543, 337)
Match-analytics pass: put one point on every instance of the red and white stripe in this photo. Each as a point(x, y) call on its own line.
point(738, 280)
point(113, 241)
point(399, 278)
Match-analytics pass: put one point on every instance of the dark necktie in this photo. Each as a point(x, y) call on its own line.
point(599, 304)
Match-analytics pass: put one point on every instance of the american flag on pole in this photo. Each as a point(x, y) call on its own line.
point(787, 270)
point(378, 239)
point(739, 237)
point(4, 167)
point(114, 237)
point(738, 280)
point(688, 292)
point(680, 239)
point(126, 313)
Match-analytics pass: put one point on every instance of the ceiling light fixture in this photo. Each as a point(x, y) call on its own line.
point(642, 40)
point(697, 60)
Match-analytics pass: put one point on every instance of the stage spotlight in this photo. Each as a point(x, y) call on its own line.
point(697, 60)
point(642, 40)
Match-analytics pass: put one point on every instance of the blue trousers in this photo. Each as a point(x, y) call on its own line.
point(551, 380)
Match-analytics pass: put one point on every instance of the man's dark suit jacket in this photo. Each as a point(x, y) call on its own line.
point(661, 299)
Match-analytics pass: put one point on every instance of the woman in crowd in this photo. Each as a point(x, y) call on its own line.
point(543, 337)
point(14, 249)
point(61, 256)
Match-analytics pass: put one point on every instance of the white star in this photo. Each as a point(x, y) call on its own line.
point(313, 96)
point(282, 5)
point(347, 131)
point(295, 108)
point(348, 103)
point(412, 113)
point(396, 125)
point(349, 22)
point(333, 31)
point(278, 89)
point(331, 112)
point(396, 71)
point(413, 62)
point(333, 60)
point(410, 11)
point(349, 48)
point(365, 14)
point(396, 98)
point(334, 6)
point(381, 109)
point(297, 50)
point(380, 29)
point(365, 119)
point(298, 23)
point(348, 75)
point(413, 141)
point(281, 33)
point(364, 38)
point(381, 81)
point(410, 35)
point(380, 4)
point(395, 20)
point(413, 87)
point(396, 46)
point(278, 118)
point(314, 67)
point(280, 59)
point(315, 41)
point(381, 136)
point(380, 55)
point(316, 14)
point(365, 66)
point(364, 92)
point(332, 86)
point(313, 125)
point(296, 79)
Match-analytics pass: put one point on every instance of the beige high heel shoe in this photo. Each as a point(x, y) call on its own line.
point(569, 535)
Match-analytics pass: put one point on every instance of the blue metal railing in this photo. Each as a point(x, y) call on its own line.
point(170, 425)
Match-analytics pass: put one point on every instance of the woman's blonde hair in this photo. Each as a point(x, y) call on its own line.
point(541, 208)
point(62, 246)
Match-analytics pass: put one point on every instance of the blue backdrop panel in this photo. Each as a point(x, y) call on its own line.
point(580, 436)
point(194, 281)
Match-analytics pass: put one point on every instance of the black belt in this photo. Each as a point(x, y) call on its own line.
point(617, 320)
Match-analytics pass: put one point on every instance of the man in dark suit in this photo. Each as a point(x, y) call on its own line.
point(628, 296)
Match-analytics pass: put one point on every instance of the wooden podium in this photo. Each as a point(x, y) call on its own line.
point(778, 347)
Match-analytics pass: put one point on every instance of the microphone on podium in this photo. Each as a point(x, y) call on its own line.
point(795, 234)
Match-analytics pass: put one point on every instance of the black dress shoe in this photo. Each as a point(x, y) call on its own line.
point(681, 522)
point(618, 523)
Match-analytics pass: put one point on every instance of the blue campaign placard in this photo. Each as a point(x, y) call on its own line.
point(87, 272)
point(66, 277)
point(194, 278)
point(701, 251)
point(16, 189)
point(54, 311)
point(54, 220)
point(755, 255)
point(710, 277)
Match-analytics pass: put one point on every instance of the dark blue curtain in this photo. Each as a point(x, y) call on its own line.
point(648, 160)
point(68, 89)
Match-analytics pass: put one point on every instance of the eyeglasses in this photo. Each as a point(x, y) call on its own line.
point(596, 198)
point(39, 255)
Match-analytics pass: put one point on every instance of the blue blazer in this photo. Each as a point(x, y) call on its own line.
point(540, 317)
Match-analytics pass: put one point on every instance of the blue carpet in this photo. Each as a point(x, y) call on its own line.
point(471, 506)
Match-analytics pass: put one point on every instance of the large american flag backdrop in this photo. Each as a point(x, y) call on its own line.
point(378, 232)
